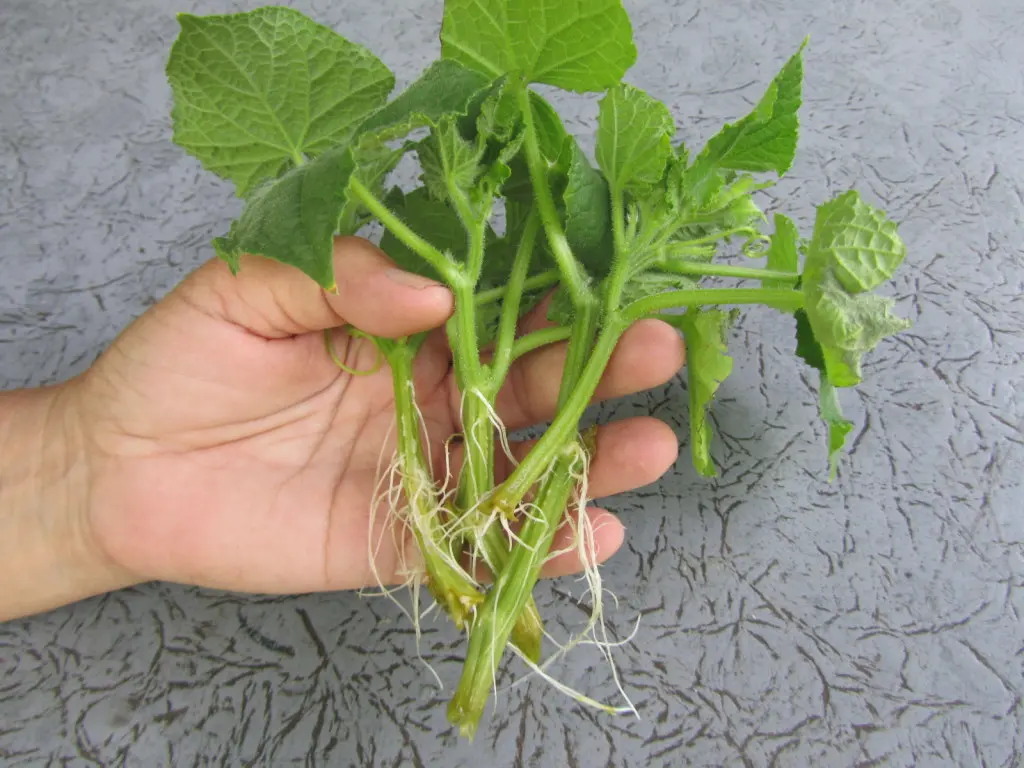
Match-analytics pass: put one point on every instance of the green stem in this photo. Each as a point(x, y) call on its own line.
point(477, 476)
point(445, 267)
point(533, 283)
point(531, 341)
point(508, 495)
point(620, 264)
point(573, 278)
point(780, 298)
point(504, 351)
point(714, 237)
point(449, 585)
point(725, 270)
point(509, 595)
point(581, 343)
point(475, 262)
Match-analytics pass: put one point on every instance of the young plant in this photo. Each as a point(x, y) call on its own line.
point(301, 121)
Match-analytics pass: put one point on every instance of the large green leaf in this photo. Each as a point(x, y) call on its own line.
point(260, 92)
point(579, 45)
point(634, 138)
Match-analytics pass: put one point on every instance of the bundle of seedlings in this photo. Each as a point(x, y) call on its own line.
point(511, 211)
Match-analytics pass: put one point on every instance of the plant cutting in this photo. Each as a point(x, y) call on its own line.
point(509, 210)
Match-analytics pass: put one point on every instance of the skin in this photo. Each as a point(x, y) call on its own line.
point(215, 443)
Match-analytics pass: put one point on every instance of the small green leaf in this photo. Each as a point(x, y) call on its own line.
point(579, 45)
point(446, 158)
point(838, 427)
point(650, 283)
point(634, 138)
point(708, 365)
point(446, 89)
point(784, 253)
point(765, 140)
point(807, 347)
point(848, 323)
point(561, 310)
point(588, 214)
point(863, 246)
point(293, 220)
point(848, 326)
point(258, 93)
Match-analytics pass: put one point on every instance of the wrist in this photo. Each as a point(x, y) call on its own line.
point(48, 555)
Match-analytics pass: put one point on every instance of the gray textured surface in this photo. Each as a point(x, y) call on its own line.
point(786, 622)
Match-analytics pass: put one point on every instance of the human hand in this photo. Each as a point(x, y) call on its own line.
point(226, 449)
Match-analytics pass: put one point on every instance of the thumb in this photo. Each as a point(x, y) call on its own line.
point(274, 300)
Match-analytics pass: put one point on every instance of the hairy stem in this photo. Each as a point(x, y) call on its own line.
point(581, 342)
point(504, 350)
point(537, 339)
point(477, 476)
point(574, 279)
point(698, 269)
point(445, 267)
point(780, 298)
point(533, 283)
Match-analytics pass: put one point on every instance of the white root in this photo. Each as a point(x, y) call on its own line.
point(595, 632)
point(414, 507)
point(412, 519)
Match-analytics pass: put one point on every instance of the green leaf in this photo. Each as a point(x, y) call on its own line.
point(446, 89)
point(837, 426)
point(807, 347)
point(849, 323)
point(863, 247)
point(497, 117)
point(561, 310)
point(258, 93)
point(294, 219)
point(588, 214)
point(784, 252)
point(634, 138)
point(579, 45)
point(765, 140)
point(446, 158)
point(708, 365)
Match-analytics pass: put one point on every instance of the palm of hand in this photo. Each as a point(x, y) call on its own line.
point(232, 460)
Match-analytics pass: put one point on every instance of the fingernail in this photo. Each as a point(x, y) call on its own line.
point(410, 279)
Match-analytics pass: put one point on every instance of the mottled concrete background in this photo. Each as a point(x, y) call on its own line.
point(786, 622)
